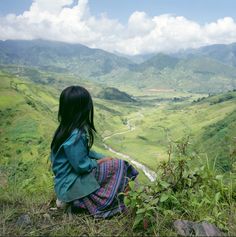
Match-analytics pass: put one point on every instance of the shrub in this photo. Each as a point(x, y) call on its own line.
point(182, 191)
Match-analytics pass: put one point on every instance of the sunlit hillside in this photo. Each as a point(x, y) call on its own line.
point(173, 117)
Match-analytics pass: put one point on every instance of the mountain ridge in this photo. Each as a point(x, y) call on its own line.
point(190, 72)
point(225, 53)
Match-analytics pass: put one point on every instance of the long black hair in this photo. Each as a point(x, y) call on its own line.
point(75, 112)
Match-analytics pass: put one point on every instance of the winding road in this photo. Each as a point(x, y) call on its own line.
point(148, 172)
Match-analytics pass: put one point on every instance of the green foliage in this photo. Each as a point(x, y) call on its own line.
point(184, 191)
point(223, 98)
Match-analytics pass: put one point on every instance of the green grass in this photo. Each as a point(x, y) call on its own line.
point(149, 141)
point(28, 119)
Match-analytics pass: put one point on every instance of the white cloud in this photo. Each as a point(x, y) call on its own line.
point(139, 24)
point(64, 21)
point(51, 5)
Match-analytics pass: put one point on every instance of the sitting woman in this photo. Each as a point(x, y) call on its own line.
point(87, 180)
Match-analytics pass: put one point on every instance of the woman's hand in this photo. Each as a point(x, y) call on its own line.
point(104, 160)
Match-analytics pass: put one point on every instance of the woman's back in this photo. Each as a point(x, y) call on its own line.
point(71, 164)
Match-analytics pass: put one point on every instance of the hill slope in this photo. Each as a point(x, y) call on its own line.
point(111, 93)
point(28, 119)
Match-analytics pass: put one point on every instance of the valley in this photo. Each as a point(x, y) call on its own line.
point(148, 113)
point(142, 129)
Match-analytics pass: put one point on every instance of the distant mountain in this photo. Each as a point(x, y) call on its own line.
point(206, 65)
point(207, 69)
point(111, 93)
point(55, 56)
point(201, 74)
point(140, 58)
point(194, 74)
point(159, 62)
point(220, 52)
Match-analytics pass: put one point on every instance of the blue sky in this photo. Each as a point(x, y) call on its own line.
point(199, 10)
point(124, 26)
point(202, 11)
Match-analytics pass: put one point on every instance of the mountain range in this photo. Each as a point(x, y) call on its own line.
point(208, 69)
point(223, 53)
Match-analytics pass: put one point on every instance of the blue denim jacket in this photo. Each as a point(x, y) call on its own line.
point(72, 165)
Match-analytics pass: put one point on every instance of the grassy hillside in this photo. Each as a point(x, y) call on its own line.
point(28, 114)
point(26, 127)
point(210, 126)
point(218, 138)
point(152, 116)
point(28, 121)
point(146, 128)
point(111, 93)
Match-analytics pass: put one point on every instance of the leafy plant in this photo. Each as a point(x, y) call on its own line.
point(183, 190)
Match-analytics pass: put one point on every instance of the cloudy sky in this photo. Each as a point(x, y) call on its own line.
point(125, 26)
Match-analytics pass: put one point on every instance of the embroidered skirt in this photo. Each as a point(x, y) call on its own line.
point(113, 177)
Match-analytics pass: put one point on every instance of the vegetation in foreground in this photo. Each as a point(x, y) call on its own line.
point(184, 191)
point(180, 192)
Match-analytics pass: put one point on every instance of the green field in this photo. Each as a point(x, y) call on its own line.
point(155, 127)
point(144, 130)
